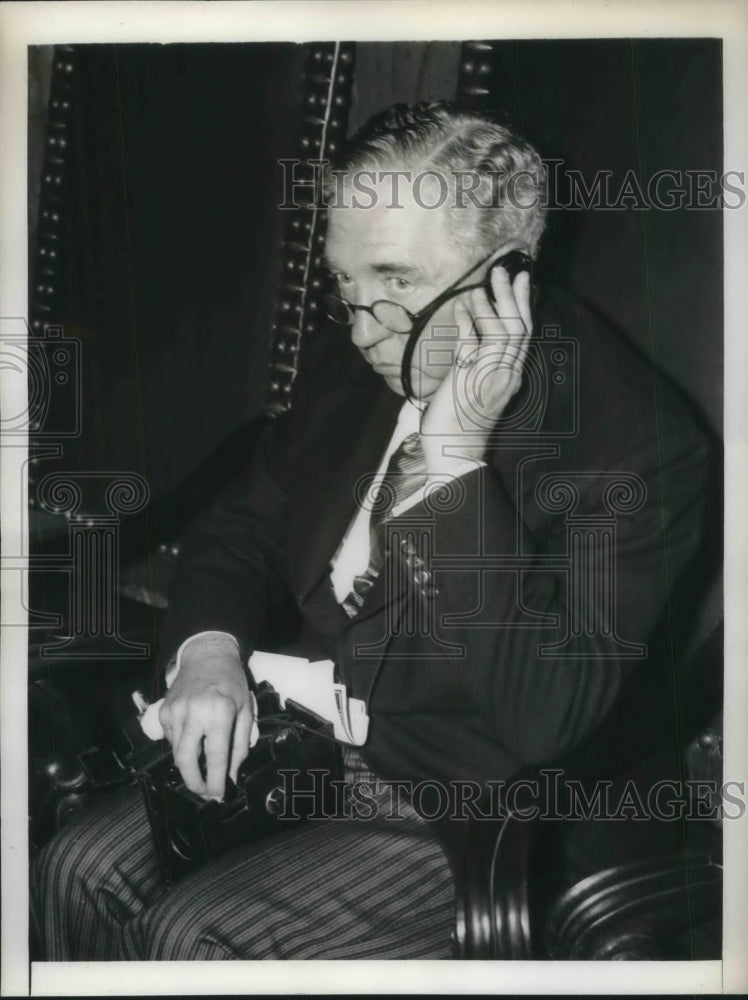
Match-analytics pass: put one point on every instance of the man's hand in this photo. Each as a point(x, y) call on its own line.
point(490, 356)
point(209, 701)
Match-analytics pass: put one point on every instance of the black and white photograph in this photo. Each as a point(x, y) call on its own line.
point(371, 452)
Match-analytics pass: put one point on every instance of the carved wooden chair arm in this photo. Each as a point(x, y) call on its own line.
point(492, 918)
point(636, 910)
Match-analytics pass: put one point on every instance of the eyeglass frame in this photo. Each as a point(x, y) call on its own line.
point(514, 261)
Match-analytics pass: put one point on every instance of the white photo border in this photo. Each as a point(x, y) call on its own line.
point(47, 23)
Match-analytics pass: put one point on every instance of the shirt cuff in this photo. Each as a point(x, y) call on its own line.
point(173, 666)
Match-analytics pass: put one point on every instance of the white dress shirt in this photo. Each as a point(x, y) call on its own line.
point(352, 557)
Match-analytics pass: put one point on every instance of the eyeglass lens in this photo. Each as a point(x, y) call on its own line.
point(389, 314)
point(337, 310)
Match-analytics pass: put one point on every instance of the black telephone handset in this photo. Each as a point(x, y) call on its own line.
point(514, 262)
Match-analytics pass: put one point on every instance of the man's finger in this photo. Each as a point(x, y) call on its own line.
point(507, 307)
point(468, 342)
point(502, 336)
point(240, 744)
point(513, 305)
point(187, 753)
point(488, 325)
point(522, 288)
point(217, 759)
point(171, 715)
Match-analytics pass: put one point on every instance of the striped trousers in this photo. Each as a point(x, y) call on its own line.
point(342, 888)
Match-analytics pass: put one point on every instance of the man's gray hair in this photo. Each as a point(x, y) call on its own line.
point(496, 180)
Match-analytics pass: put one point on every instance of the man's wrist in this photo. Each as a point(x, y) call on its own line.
point(450, 459)
point(203, 645)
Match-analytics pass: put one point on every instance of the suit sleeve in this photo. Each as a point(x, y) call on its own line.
point(231, 569)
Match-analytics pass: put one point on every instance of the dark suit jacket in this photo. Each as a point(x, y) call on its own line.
point(474, 687)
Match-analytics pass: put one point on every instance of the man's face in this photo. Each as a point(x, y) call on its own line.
point(404, 255)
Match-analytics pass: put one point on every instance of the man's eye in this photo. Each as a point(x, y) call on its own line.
point(343, 278)
point(398, 284)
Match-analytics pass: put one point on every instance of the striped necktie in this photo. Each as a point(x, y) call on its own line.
point(405, 475)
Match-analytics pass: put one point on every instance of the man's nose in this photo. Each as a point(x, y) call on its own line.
point(366, 331)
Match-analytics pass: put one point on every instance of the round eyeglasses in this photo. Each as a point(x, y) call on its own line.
point(397, 318)
point(394, 317)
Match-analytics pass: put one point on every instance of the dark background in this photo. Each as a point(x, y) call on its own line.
point(172, 236)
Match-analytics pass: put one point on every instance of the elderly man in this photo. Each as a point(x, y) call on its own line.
point(494, 414)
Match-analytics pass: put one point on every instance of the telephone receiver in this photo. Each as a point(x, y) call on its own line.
point(513, 263)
